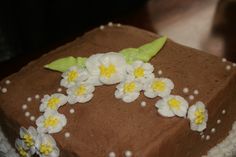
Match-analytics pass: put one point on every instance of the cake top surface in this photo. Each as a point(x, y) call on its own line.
point(106, 124)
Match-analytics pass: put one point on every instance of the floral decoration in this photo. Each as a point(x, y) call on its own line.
point(52, 102)
point(51, 122)
point(46, 146)
point(198, 116)
point(158, 87)
point(80, 93)
point(128, 90)
point(172, 105)
point(140, 71)
point(73, 76)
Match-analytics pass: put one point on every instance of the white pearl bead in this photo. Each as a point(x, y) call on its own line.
point(196, 92)
point(32, 118)
point(191, 97)
point(72, 110)
point(224, 111)
point(101, 27)
point(37, 96)
point(4, 90)
point(202, 137)
point(112, 154)
point(27, 114)
point(185, 90)
point(218, 121)
point(118, 25)
point(67, 134)
point(128, 153)
point(213, 130)
point(24, 106)
point(143, 103)
point(224, 59)
point(228, 67)
point(208, 137)
point(8, 82)
point(59, 89)
point(234, 64)
point(160, 72)
point(29, 99)
point(110, 24)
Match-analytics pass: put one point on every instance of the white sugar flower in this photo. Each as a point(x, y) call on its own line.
point(128, 90)
point(51, 122)
point(158, 87)
point(198, 116)
point(22, 148)
point(80, 93)
point(73, 76)
point(29, 136)
point(172, 105)
point(46, 146)
point(52, 102)
point(109, 68)
point(92, 65)
point(140, 71)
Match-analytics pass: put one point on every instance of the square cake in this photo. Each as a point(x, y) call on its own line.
point(185, 105)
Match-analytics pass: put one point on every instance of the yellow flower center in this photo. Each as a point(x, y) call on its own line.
point(81, 90)
point(52, 103)
point(139, 72)
point(200, 117)
point(72, 76)
point(158, 86)
point(107, 71)
point(174, 103)
point(28, 140)
point(22, 152)
point(129, 87)
point(51, 121)
point(45, 149)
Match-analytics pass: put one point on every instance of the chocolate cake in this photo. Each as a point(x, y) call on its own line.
point(111, 125)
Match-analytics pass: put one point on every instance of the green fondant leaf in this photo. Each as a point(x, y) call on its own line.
point(81, 62)
point(62, 64)
point(145, 52)
point(129, 54)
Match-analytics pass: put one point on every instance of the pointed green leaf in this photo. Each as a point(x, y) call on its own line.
point(129, 54)
point(145, 52)
point(62, 64)
point(81, 62)
point(149, 50)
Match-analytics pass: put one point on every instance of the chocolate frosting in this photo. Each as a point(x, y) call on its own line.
point(107, 124)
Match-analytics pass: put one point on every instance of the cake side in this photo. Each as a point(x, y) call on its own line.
point(100, 126)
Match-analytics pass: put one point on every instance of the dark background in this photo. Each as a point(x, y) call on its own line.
point(29, 28)
point(37, 25)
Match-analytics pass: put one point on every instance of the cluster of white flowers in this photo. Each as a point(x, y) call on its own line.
point(39, 141)
point(31, 142)
point(174, 105)
point(51, 121)
point(111, 68)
